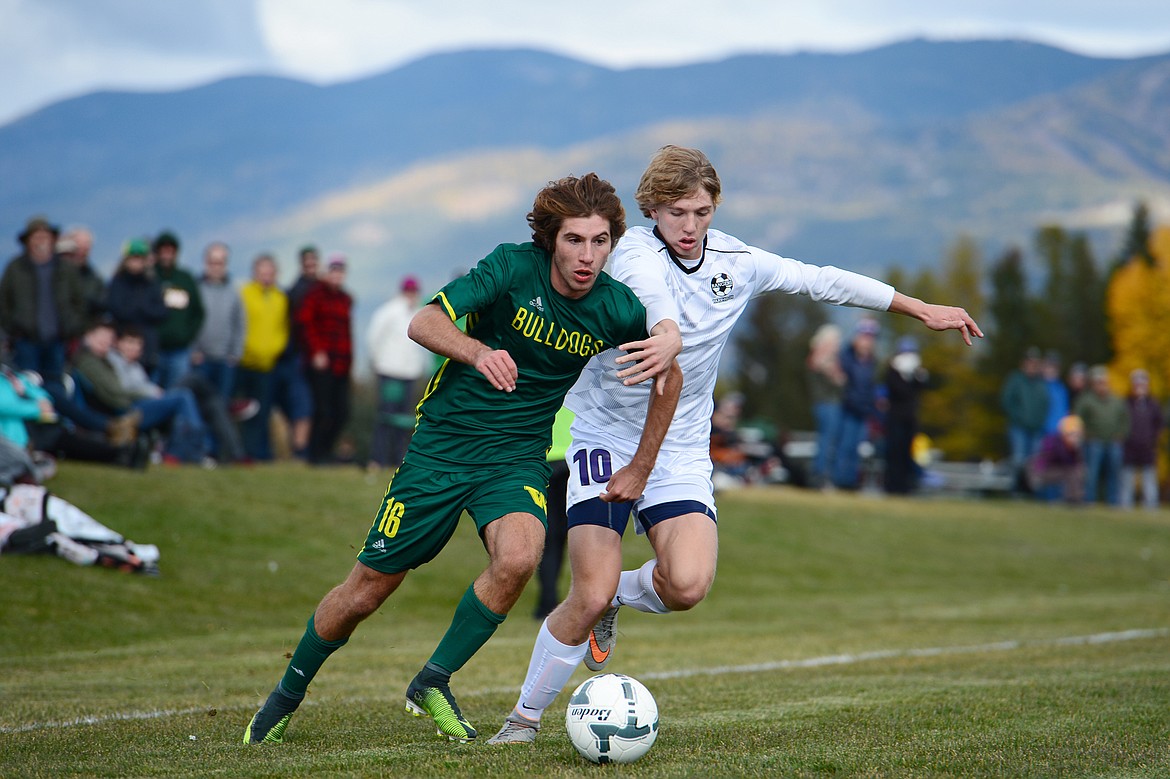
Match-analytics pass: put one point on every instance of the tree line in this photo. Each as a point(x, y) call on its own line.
point(1061, 298)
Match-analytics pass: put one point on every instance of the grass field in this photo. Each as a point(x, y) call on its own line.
point(845, 636)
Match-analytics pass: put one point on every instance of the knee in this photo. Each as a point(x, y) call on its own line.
point(686, 598)
point(683, 590)
point(516, 569)
point(362, 596)
point(361, 602)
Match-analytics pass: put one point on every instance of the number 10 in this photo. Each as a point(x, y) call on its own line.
point(595, 463)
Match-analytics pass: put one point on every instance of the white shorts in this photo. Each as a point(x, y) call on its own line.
point(677, 477)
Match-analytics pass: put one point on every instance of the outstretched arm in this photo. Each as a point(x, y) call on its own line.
point(937, 317)
point(652, 357)
point(432, 328)
point(629, 482)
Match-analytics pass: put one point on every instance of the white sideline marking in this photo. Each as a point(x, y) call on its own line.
point(779, 665)
point(890, 654)
point(99, 720)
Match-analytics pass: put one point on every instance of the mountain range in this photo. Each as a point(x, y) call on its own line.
point(868, 160)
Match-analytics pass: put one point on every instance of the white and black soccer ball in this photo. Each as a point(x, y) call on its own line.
point(612, 719)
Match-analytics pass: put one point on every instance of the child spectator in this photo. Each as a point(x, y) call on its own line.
point(1057, 470)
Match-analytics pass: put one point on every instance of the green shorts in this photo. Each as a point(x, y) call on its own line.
point(421, 509)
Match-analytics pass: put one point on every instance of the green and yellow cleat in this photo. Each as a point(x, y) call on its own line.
point(268, 724)
point(439, 704)
point(259, 732)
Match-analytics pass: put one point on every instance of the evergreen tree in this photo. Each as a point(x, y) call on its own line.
point(771, 345)
point(1071, 311)
point(1014, 324)
point(1082, 315)
point(1137, 238)
point(1051, 242)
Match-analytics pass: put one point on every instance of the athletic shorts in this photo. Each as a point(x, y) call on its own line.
point(679, 484)
point(421, 509)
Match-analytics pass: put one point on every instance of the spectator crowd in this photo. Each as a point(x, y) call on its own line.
point(1070, 436)
point(1077, 440)
point(167, 363)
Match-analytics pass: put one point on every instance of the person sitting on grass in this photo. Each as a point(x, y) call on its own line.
point(30, 421)
point(96, 368)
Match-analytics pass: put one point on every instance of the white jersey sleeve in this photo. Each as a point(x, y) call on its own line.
point(706, 299)
point(823, 283)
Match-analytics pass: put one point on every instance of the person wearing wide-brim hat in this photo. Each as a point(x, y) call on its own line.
point(42, 304)
point(37, 224)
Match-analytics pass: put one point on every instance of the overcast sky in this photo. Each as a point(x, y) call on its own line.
point(52, 49)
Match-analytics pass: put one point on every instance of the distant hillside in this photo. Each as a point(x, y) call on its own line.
point(868, 159)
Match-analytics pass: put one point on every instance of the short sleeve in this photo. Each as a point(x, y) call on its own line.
point(476, 291)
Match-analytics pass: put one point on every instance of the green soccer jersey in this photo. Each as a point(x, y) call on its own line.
point(464, 423)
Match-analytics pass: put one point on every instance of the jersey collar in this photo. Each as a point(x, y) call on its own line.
point(674, 257)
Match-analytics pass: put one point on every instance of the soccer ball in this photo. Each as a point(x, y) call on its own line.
point(612, 719)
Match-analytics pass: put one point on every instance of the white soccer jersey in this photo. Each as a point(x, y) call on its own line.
point(706, 298)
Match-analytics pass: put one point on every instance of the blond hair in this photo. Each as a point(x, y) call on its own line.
point(674, 173)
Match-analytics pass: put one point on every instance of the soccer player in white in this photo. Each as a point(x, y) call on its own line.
point(703, 280)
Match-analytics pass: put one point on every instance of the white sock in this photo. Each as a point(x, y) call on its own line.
point(549, 670)
point(636, 589)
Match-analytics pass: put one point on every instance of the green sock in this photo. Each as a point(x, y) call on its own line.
point(473, 624)
point(310, 654)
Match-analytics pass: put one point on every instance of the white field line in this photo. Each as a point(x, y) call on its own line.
point(778, 665)
point(893, 654)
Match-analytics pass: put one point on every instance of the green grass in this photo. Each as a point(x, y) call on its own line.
point(107, 674)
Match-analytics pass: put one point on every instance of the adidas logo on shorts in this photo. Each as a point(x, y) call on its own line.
point(379, 544)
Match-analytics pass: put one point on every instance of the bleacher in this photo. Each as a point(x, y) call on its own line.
point(982, 479)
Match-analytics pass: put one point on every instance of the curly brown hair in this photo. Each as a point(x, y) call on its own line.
point(573, 197)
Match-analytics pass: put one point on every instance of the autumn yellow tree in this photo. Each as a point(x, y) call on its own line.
point(1139, 315)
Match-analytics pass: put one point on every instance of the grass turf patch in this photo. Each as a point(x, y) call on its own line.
point(805, 660)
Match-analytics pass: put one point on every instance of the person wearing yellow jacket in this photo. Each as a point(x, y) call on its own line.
point(266, 333)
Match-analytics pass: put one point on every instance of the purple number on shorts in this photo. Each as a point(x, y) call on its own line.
point(595, 464)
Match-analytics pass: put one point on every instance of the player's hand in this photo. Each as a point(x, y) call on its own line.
point(627, 484)
point(951, 318)
point(651, 358)
point(498, 367)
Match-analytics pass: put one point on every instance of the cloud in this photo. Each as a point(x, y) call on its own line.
point(345, 37)
point(61, 48)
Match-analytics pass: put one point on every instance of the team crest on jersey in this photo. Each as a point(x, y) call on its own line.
point(721, 286)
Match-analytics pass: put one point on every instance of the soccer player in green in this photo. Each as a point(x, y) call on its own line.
point(536, 313)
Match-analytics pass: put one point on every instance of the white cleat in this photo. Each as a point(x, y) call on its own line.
point(515, 732)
